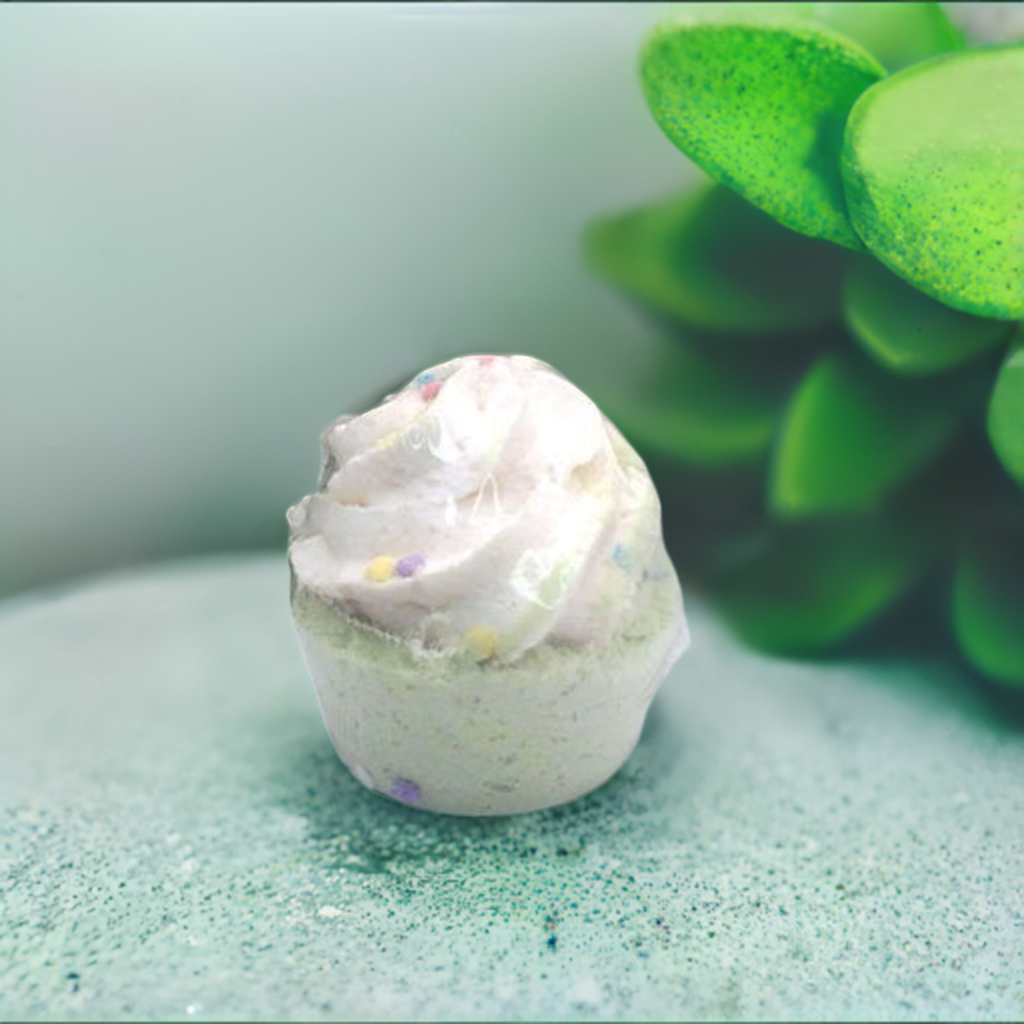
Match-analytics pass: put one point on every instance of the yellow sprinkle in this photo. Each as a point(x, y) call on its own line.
point(381, 569)
point(388, 439)
point(483, 642)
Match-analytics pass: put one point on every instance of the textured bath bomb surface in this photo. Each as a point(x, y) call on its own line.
point(482, 590)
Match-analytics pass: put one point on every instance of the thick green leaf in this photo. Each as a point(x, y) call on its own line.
point(933, 168)
point(1006, 412)
point(988, 603)
point(706, 511)
point(672, 398)
point(895, 34)
point(810, 586)
point(762, 107)
point(712, 260)
point(853, 432)
point(904, 330)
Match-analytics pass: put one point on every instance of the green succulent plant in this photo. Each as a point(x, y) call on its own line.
point(836, 417)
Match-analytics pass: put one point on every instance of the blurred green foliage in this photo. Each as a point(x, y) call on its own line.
point(835, 433)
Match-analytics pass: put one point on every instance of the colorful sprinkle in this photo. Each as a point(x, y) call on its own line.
point(483, 642)
point(409, 565)
point(620, 556)
point(406, 790)
point(381, 569)
point(424, 378)
point(486, 360)
point(429, 391)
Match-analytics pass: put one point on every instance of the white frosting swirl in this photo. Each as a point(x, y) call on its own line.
point(490, 506)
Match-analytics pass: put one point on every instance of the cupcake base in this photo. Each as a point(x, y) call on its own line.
point(446, 733)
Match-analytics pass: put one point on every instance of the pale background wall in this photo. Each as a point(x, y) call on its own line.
point(223, 225)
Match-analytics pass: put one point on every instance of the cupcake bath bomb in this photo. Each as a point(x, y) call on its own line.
point(482, 592)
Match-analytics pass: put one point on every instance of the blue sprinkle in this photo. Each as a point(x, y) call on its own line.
point(620, 556)
point(423, 378)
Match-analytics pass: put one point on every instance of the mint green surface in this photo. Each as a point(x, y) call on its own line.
point(933, 170)
point(1006, 412)
point(805, 588)
point(852, 432)
point(712, 260)
point(988, 603)
point(789, 841)
point(761, 108)
point(904, 330)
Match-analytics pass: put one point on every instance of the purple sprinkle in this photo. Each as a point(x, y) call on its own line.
point(406, 790)
point(407, 565)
